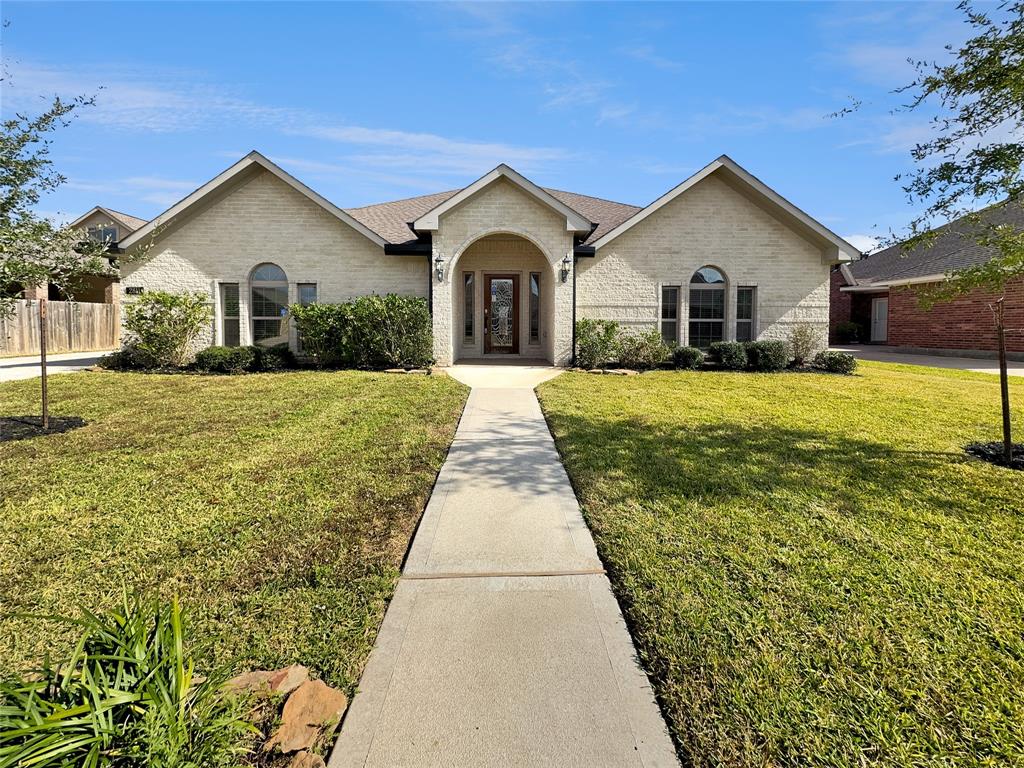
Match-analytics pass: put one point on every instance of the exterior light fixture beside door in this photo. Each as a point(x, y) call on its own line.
point(566, 265)
point(439, 267)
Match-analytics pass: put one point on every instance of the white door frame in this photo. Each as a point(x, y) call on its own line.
point(880, 319)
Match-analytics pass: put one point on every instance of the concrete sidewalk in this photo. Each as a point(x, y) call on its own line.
point(12, 368)
point(503, 645)
point(976, 364)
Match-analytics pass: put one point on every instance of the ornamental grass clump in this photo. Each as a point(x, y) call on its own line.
point(126, 696)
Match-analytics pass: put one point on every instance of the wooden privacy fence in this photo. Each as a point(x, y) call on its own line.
point(71, 327)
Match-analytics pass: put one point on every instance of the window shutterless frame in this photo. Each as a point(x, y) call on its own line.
point(468, 306)
point(305, 294)
point(670, 314)
point(269, 305)
point(229, 315)
point(535, 307)
point(707, 307)
point(746, 312)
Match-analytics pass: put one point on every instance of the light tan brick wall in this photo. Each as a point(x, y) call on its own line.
point(709, 224)
point(504, 208)
point(261, 220)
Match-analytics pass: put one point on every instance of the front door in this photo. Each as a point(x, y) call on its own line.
point(879, 320)
point(501, 314)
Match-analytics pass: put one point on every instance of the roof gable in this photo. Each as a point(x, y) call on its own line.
point(739, 178)
point(254, 159)
point(129, 222)
point(574, 220)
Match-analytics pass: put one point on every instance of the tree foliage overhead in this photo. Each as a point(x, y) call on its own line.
point(977, 151)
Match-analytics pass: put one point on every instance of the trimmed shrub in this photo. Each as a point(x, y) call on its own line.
point(766, 356)
point(731, 355)
point(324, 329)
point(642, 350)
point(848, 332)
point(687, 358)
point(390, 332)
point(163, 325)
point(804, 340)
point(128, 358)
point(225, 360)
point(370, 332)
point(126, 695)
point(596, 342)
point(836, 362)
point(275, 358)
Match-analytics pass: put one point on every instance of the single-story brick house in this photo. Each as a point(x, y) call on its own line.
point(505, 265)
point(879, 292)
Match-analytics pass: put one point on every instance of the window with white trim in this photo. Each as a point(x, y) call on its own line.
point(269, 305)
point(670, 314)
point(229, 315)
point(102, 233)
point(707, 307)
point(746, 306)
point(305, 294)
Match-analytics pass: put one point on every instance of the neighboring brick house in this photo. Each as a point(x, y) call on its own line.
point(879, 292)
point(505, 265)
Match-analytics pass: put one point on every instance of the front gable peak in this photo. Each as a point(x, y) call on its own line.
point(574, 220)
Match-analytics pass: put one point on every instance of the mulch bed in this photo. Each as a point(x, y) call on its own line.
point(993, 453)
point(25, 427)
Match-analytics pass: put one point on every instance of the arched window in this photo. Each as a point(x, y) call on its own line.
point(269, 306)
point(707, 307)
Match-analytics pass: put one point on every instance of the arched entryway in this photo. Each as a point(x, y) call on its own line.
point(503, 300)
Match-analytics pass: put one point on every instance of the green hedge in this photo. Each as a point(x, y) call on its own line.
point(687, 358)
point(596, 342)
point(369, 332)
point(244, 359)
point(835, 362)
point(731, 355)
point(641, 350)
point(768, 356)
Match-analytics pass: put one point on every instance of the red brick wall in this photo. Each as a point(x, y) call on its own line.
point(964, 323)
point(838, 304)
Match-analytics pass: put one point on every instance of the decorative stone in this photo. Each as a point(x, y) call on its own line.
point(313, 707)
point(287, 679)
point(254, 682)
point(307, 760)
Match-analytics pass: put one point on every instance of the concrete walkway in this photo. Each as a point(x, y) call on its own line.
point(503, 645)
point(12, 368)
point(976, 364)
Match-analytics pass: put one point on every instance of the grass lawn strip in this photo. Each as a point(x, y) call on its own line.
point(278, 506)
point(814, 571)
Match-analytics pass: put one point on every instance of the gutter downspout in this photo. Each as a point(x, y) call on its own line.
point(572, 358)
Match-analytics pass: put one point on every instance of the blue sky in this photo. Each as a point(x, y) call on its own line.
point(367, 103)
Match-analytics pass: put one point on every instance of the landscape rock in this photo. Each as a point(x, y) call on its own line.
point(313, 706)
point(307, 760)
point(256, 681)
point(287, 679)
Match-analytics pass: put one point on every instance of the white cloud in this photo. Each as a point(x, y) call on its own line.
point(150, 189)
point(863, 243)
point(648, 55)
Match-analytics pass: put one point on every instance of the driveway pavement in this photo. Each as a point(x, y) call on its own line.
point(12, 368)
point(503, 645)
point(979, 365)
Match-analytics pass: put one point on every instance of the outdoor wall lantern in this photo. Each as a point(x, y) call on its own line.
point(439, 267)
point(566, 263)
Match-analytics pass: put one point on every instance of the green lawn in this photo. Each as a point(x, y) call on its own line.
point(814, 572)
point(278, 506)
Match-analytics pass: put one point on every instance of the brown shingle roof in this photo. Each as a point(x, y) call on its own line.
point(953, 248)
point(391, 220)
point(131, 222)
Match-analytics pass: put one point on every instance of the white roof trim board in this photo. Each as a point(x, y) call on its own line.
point(574, 221)
point(881, 285)
point(846, 251)
point(253, 158)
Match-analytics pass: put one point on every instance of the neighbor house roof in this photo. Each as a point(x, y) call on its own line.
point(391, 220)
point(129, 222)
point(954, 247)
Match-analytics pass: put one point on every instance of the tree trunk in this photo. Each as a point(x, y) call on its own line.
point(1004, 385)
point(42, 362)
